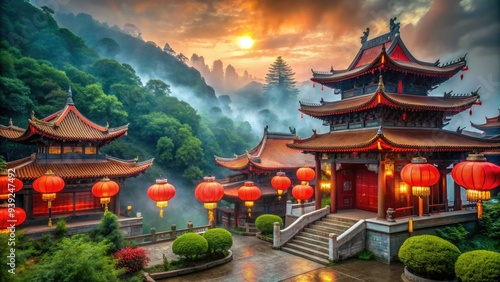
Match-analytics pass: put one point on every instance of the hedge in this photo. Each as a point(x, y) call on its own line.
point(190, 245)
point(219, 240)
point(429, 256)
point(478, 266)
point(265, 223)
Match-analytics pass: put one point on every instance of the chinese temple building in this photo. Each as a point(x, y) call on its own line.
point(385, 118)
point(491, 128)
point(70, 145)
point(259, 165)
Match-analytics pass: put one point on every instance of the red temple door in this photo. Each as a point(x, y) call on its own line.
point(346, 193)
point(366, 189)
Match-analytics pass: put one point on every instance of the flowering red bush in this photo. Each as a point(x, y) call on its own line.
point(133, 259)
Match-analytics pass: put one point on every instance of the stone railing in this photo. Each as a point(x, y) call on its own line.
point(348, 244)
point(282, 236)
point(155, 237)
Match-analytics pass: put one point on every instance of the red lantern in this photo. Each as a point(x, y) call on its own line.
point(105, 189)
point(161, 193)
point(466, 68)
point(477, 176)
point(11, 217)
point(404, 116)
point(48, 184)
point(209, 192)
point(302, 192)
point(9, 185)
point(249, 193)
point(420, 176)
point(305, 174)
point(281, 183)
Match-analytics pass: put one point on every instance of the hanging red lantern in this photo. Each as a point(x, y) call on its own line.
point(11, 217)
point(302, 192)
point(9, 185)
point(477, 176)
point(314, 85)
point(209, 192)
point(48, 184)
point(105, 189)
point(249, 193)
point(404, 116)
point(470, 112)
point(466, 68)
point(281, 183)
point(161, 192)
point(420, 174)
point(302, 115)
point(322, 88)
point(305, 174)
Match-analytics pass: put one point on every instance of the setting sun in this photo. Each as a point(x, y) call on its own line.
point(245, 42)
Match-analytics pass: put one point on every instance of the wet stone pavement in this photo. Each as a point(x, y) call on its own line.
point(255, 260)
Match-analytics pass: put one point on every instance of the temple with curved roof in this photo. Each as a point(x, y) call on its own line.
point(69, 144)
point(259, 165)
point(385, 118)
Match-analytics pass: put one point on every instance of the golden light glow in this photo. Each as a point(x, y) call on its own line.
point(245, 42)
point(403, 188)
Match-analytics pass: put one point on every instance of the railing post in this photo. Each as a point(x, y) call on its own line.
point(153, 234)
point(276, 235)
point(190, 226)
point(333, 250)
point(247, 227)
point(173, 228)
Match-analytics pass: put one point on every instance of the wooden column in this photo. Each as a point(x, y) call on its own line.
point(381, 190)
point(457, 197)
point(317, 190)
point(444, 187)
point(333, 186)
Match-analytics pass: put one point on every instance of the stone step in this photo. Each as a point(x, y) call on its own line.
point(307, 247)
point(333, 217)
point(328, 228)
point(310, 257)
point(327, 221)
point(314, 236)
point(317, 231)
point(322, 242)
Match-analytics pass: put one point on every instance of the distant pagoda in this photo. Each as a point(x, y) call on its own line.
point(68, 144)
point(259, 165)
point(385, 118)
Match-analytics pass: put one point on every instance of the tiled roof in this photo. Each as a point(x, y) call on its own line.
point(70, 125)
point(453, 104)
point(271, 153)
point(395, 139)
point(493, 122)
point(29, 168)
point(396, 57)
point(11, 131)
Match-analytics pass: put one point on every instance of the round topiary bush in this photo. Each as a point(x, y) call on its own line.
point(190, 245)
point(265, 223)
point(478, 266)
point(219, 240)
point(429, 256)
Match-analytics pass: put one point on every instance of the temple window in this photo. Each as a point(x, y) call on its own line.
point(76, 150)
point(54, 150)
point(90, 150)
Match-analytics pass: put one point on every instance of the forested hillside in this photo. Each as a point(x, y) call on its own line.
point(40, 60)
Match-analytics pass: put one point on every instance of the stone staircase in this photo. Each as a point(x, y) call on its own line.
point(312, 242)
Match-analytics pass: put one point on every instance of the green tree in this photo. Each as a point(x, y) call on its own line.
point(190, 152)
point(99, 107)
point(280, 81)
point(109, 230)
point(112, 72)
point(14, 95)
point(165, 150)
point(158, 87)
point(75, 260)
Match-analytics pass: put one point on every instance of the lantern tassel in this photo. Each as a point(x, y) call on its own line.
point(161, 212)
point(249, 213)
point(479, 205)
point(50, 213)
point(105, 208)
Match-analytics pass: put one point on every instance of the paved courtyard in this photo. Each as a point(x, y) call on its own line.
point(255, 260)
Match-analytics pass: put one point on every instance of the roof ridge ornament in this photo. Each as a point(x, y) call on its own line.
point(10, 122)
point(70, 97)
point(394, 26)
point(363, 38)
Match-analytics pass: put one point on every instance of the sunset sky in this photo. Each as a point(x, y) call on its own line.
point(313, 34)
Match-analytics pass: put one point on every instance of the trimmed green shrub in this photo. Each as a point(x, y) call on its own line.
point(61, 229)
point(429, 256)
point(265, 223)
point(478, 266)
point(219, 240)
point(109, 229)
point(190, 245)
